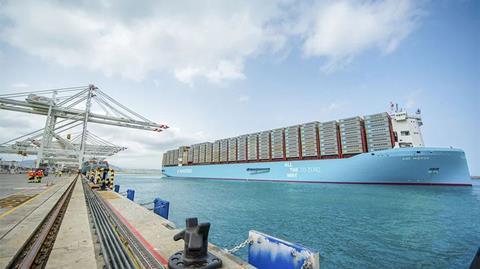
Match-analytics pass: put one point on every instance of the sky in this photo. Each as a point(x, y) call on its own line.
point(217, 69)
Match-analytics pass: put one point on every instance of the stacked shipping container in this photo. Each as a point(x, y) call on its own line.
point(351, 132)
point(216, 152)
point(232, 149)
point(264, 145)
point(310, 140)
point(183, 155)
point(223, 150)
point(277, 146)
point(201, 157)
point(309, 133)
point(242, 148)
point(328, 132)
point(196, 153)
point(378, 131)
point(190, 155)
point(208, 152)
point(292, 147)
point(252, 142)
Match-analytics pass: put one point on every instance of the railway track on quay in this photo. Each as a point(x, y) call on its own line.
point(35, 251)
point(118, 246)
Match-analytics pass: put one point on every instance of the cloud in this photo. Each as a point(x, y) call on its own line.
point(340, 30)
point(187, 39)
point(145, 149)
point(194, 40)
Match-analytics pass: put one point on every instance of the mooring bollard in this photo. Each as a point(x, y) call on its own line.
point(116, 188)
point(195, 252)
point(130, 194)
point(161, 207)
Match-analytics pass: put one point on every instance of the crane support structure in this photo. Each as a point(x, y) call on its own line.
point(65, 109)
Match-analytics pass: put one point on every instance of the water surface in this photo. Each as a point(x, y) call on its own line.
point(352, 226)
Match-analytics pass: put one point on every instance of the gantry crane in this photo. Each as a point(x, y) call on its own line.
point(65, 109)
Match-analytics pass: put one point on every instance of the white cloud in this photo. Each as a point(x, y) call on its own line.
point(340, 30)
point(196, 39)
point(190, 39)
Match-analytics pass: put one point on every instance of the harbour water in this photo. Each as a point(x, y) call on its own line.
point(352, 226)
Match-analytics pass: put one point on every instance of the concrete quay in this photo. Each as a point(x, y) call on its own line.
point(25, 206)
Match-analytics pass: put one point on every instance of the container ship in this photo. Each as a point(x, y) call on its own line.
point(383, 148)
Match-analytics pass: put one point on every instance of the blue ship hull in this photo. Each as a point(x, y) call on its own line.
point(401, 166)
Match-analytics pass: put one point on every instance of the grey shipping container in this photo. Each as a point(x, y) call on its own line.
point(224, 150)
point(277, 143)
point(308, 133)
point(208, 152)
point(292, 147)
point(175, 157)
point(264, 145)
point(328, 138)
point(164, 158)
point(201, 157)
point(216, 151)
point(377, 130)
point(170, 157)
point(232, 149)
point(190, 154)
point(351, 135)
point(183, 154)
point(252, 142)
point(242, 148)
point(196, 153)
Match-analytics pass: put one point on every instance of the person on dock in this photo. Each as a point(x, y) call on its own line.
point(31, 175)
point(38, 176)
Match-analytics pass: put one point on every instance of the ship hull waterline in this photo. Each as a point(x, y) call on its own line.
point(400, 166)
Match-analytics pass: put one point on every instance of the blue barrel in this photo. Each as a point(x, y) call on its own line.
point(130, 194)
point(161, 207)
point(116, 188)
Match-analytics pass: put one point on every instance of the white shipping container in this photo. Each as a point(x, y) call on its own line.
point(242, 148)
point(232, 149)
point(190, 154)
point(216, 151)
point(175, 157)
point(196, 153)
point(277, 143)
point(264, 145)
point(292, 148)
point(201, 157)
point(224, 150)
point(208, 152)
point(252, 146)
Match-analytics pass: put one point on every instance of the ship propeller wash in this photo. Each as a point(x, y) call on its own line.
point(383, 148)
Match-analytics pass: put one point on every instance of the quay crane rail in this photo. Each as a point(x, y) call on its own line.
point(65, 109)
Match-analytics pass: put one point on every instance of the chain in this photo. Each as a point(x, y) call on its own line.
point(239, 246)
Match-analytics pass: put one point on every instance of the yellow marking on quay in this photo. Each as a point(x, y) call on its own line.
point(6, 213)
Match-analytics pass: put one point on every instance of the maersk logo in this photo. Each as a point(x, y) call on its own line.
point(254, 171)
point(184, 171)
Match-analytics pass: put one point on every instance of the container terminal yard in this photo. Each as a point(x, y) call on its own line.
point(67, 211)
